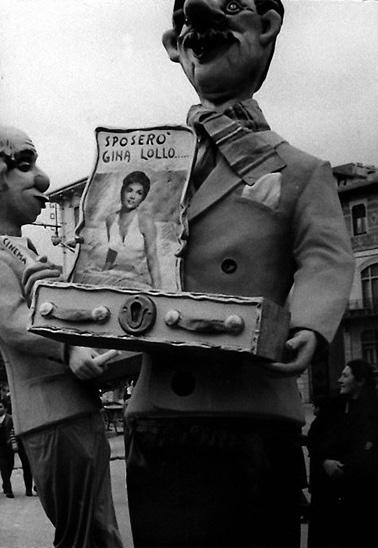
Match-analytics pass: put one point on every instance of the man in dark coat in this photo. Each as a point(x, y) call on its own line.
point(343, 447)
point(6, 450)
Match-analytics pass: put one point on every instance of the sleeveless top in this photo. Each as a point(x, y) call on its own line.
point(131, 254)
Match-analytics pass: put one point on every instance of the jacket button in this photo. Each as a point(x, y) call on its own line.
point(229, 266)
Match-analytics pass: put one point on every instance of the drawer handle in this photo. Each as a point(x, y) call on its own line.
point(232, 325)
point(99, 314)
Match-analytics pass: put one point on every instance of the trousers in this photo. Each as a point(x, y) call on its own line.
point(214, 483)
point(6, 468)
point(70, 466)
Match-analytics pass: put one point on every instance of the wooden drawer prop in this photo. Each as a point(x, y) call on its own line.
point(129, 319)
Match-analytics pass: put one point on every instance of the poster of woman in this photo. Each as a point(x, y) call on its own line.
point(133, 210)
point(132, 235)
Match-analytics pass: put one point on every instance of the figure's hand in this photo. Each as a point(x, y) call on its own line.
point(333, 468)
point(40, 270)
point(83, 364)
point(302, 345)
point(86, 363)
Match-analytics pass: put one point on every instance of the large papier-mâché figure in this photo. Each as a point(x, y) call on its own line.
point(213, 449)
point(55, 414)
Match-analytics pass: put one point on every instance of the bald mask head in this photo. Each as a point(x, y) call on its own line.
point(22, 183)
point(12, 141)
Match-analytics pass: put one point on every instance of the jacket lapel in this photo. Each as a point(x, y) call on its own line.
point(234, 165)
point(220, 182)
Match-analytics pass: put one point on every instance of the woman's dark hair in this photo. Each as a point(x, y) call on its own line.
point(362, 371)
point(136, 177)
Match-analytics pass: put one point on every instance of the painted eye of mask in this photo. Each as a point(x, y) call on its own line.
point(23, 161)
point(24, 166)
point(233, 7)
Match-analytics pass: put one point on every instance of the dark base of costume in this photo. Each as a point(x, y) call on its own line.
point(6, 468)
point(70, 464)
point(214, 483)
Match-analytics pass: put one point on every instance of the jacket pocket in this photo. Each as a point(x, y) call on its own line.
point(266, 190)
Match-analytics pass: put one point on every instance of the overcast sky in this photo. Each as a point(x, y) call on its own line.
point(68, 67)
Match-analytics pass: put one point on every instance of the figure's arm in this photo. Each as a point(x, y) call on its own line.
point(148, 230)
point(325, 263)
point(14, 319)
point(83, 362)
point(325, 268)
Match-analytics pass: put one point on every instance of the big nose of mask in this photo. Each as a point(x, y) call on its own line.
point(41, 181)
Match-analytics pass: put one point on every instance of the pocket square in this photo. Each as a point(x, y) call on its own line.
point(266, 190)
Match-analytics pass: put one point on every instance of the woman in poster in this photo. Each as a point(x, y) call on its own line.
point(132, 235)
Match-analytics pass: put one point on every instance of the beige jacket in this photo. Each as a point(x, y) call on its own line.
point(43, 389)
point(281, 227)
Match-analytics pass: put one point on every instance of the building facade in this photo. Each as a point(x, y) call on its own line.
point(358, 192)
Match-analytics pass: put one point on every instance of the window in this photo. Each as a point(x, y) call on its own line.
point(369, 346)
point(359, 219)
point(369, 282)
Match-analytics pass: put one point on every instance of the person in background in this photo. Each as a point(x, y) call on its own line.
point(18, 445)
point(5, 397)
point(56, 414)
point(129, 389)
point(343, 449)
point(6, 450)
